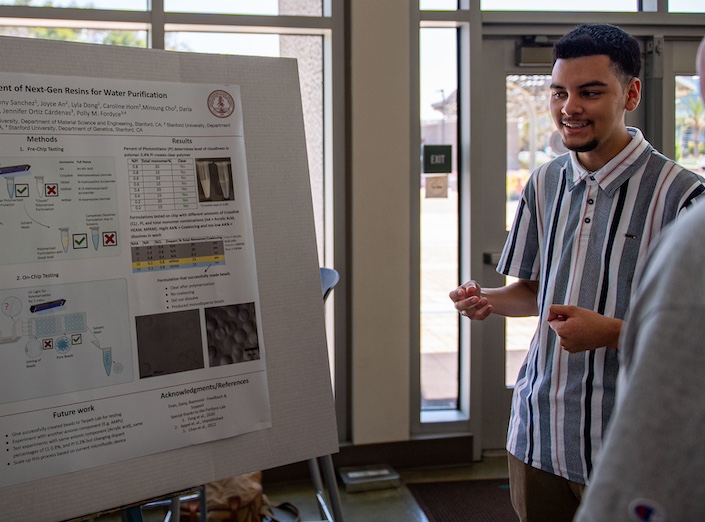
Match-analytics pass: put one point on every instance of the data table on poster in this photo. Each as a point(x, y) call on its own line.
point(162, 184)
point(172, 256)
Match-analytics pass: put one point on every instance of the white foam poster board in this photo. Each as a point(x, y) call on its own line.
point(161, 321)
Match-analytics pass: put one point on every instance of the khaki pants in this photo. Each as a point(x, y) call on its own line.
point(538, 496)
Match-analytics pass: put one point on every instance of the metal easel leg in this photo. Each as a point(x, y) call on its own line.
point(331, 485)
point(175, 510)
point(175, 506)
point(318, 489)
point(326, 462)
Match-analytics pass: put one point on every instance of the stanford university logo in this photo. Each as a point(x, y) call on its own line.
point(221, 104)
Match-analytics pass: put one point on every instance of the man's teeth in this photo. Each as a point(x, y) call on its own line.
point(574, 125)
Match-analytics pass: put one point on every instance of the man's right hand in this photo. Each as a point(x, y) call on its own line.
point(470, 302)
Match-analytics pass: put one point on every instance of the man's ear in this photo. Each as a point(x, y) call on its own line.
point(633, 94)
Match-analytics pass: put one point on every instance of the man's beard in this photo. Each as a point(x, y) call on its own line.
point(585, 147)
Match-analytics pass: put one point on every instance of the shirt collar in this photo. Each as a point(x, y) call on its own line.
point(613, 168)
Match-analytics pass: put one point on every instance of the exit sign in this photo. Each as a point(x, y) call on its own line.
point(437, 159)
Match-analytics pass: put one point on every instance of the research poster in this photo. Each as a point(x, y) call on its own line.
point(129, 307)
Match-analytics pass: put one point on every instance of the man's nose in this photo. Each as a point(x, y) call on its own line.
point(571, 106)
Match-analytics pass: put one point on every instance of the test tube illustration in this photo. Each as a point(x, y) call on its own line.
point(95, 236)
point(40, 185)
point(10, 186)
point(107, 359)
point(204, 177)
point(224, 178)
point(64, 238)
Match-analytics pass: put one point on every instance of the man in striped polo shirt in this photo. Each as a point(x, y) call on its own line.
point(584, 222)
point(651, 464)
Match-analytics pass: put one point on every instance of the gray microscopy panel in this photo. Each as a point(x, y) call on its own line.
point(169, 343)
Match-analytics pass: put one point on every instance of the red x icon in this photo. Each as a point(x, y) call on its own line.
point(109, 238)
point(52, 189)
point(48, 344)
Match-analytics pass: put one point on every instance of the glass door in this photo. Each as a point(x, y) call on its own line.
point(518, 130)
point(688, 109)
point(531, 141)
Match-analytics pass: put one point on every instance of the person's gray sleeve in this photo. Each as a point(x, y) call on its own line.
point(653, 457)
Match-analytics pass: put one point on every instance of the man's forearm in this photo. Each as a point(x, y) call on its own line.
point(514, 300)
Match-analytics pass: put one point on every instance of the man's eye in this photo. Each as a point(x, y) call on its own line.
point(558, 95)
point(590, 94)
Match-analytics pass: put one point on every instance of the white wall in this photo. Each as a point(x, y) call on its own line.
point(380, 206)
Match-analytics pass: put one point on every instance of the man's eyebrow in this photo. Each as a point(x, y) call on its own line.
point(596, 83)
point(587, 85)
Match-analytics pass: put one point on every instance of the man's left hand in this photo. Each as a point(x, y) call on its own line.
point(580, 329)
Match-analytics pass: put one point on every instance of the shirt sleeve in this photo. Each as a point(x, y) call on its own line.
point(520, 256)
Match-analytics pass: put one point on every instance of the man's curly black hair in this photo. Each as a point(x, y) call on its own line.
point(596, 39)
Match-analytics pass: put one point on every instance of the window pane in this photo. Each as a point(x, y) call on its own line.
point(228, 43)
point(531, 135)
point(308, 50)
point(552, 5)
point(686, 6)
point(690, 124)
point(438, 5)
point(69, 34)
point(531, 141)
point(121, 5)
point(439, 222)
point(248, 7)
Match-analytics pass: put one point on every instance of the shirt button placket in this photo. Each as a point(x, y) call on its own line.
point(589, 208)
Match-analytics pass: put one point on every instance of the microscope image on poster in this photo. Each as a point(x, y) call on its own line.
point(232, 334)
point(63, 338)
point(171, 342)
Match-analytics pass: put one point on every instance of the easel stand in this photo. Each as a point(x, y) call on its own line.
point(329, 278)
point(326, 463)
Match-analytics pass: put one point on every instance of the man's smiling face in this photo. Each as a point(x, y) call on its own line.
point(588, 103)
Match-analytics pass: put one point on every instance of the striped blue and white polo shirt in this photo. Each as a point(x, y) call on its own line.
point(582, 235)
